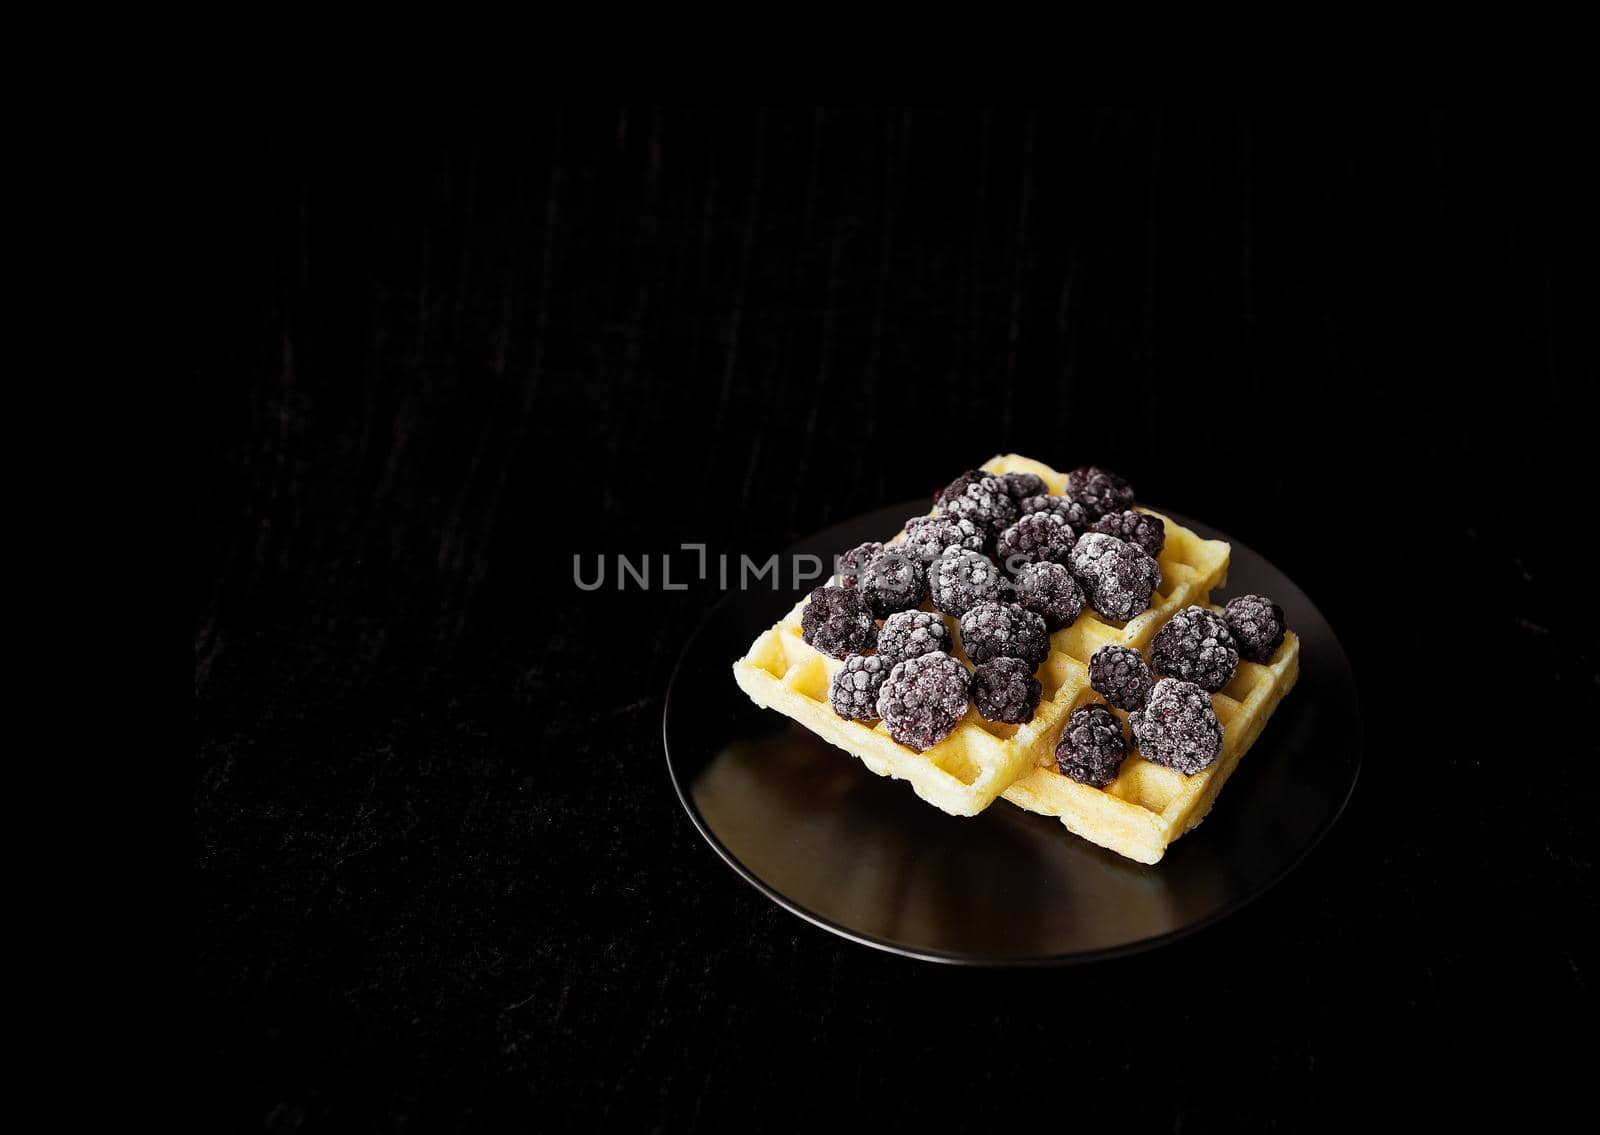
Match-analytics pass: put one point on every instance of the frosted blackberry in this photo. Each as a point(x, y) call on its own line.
point(929, 537)
point(1049, 589)
point(1177, 727)
point(838, 622)
point(1076, 516)
point(855, 686)
point(1119, 674)
point(1022, 485)
point(958, 579)
point(1196, 646)
point(892, 582)
point(1042, 536)
point(912, 633)
point(1099, 490)
point(851, 564)
point(984, 502)
point(1117, 577)
point(923, 699)
point(991, 630)
point(1004, 689)
point(1257, 626)
point(958, 486)
point(1092, 747)
point(1136, 528)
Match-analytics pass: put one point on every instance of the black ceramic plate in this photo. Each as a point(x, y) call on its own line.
point(861, 855)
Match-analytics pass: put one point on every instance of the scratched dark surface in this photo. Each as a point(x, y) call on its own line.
point(442, 880)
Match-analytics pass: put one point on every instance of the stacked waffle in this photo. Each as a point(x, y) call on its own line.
point(1139, 812)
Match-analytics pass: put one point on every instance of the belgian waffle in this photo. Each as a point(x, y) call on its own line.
point(981, 759)
point(1148, 806)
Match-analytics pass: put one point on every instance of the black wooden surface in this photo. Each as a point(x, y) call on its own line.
point(442, 878)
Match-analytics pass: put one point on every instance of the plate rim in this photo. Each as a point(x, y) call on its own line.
point(940, 957)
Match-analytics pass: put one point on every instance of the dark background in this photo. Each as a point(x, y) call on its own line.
point(442, 877)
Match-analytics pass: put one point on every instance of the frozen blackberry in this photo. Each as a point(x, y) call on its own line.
point(1092, 747)
point(1049, 589)
point(1136, 528)
point(1004, 689)
point(1042, 536)
point(1257, 626)
point(855, 686)
point(929, 537)
point(990, 630)
point(958, 579)
point(1076, 516)
point(912, 633)
point(1119, 674)
point(1099, 490)
point(893, 582)
point(1196, 646)
point(852, 563)
point(1177, 727)
point(985, 502)
point(923, 699)
point(1118, 577)
point(958, 486)
point(838, 622)
point(1022, 485)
